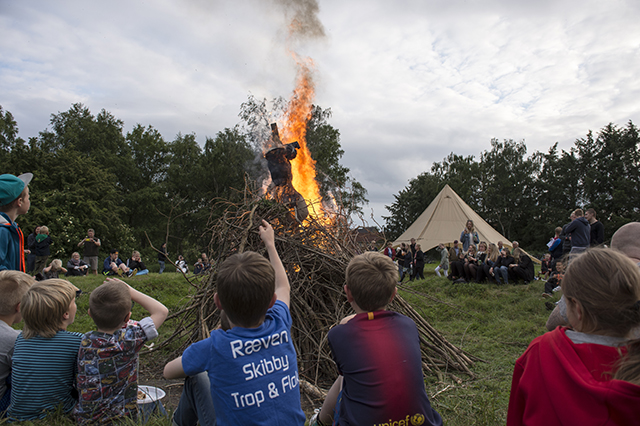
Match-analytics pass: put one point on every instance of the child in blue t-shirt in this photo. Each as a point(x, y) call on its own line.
point(247, 375)
point(378, 355)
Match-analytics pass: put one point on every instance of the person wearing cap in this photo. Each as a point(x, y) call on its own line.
point(14, 201)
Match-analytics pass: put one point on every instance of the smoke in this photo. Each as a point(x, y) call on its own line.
point(304, 18)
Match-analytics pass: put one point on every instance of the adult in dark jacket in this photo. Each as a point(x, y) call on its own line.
point(522, 269)
point(500, 269)
point(580, 231)
point(31, 246)
point(418, 264)
point(597, 228)
point(566, 236)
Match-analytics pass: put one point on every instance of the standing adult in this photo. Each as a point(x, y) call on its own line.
point(469, 236)
point(418, 264)
point(162, 257)
point(580, 231)
point(596, 227)
point(90, 254)
point(31, 246)
point(566, 236)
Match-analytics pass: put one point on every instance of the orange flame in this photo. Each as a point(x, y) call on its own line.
point(295, 129)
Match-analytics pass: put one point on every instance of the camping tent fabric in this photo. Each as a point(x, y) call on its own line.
point(443, 222)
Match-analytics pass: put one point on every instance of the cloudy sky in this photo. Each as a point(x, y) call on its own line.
point(407, 81)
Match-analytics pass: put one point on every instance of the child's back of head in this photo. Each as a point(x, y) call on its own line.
point(109, 305)
point(371, 278)
point(13, 286)
point(44, 305)
point(246, 286)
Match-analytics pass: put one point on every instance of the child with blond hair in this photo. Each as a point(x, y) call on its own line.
point(45, 353)
point(13, 285)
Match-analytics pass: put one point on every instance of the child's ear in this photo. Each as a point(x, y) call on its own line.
point(273, 301)
point(349, 296)
point(395, 291)
point(216, 299)
point(89, 312)
point(127, 318)
point(18, 308)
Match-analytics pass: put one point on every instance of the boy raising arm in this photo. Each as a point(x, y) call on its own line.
point(107, 377)
point(250, 371)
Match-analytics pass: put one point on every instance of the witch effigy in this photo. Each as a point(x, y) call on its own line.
point(281, 187)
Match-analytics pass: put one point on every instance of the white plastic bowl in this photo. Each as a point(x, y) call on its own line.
point(152, 394)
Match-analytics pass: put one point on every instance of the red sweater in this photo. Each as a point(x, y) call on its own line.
point(557, 382)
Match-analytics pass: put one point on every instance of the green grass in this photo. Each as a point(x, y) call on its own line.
point(494, 323)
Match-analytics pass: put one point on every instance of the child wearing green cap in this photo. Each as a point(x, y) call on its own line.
point(14, 201)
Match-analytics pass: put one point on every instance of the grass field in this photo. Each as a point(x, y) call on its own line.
point(494, 323)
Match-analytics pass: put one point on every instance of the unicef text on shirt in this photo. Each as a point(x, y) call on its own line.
point(247, 347)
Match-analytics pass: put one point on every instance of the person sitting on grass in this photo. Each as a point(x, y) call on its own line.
point(13, 285)
point(490, 259)
point(545, 267)
point(112, 265)
point(54, 269)
point(522, 267)
point(381, 386)
point(589, 373)
point(44, 356)
point(135, 263)
point(500, 268)
point(77, 267)
point(254, 294)
point(107, 379)
point(554, 281)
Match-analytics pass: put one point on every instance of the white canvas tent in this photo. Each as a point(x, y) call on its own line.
point(443, 222)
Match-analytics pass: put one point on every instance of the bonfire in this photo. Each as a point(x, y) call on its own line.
point(315, 257)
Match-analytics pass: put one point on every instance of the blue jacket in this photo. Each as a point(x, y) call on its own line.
point(11, 245)
point(106, 265)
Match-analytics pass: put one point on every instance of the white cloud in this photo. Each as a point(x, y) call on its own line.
point(408, 82)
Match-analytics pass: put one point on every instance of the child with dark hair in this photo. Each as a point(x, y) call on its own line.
point(249, 373)
point(384, 385)
point(107, 377)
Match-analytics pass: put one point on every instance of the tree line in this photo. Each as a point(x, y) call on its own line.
point(525, 197)
point(137, 186)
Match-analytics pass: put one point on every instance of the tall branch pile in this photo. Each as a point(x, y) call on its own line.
point(315, 257)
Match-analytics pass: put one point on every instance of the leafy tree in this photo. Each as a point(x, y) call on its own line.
point(410, 202)
point(609, 168)
point(506, 185)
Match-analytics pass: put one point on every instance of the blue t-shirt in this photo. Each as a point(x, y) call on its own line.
point(253, 372)
point(381, 363)
point(43, 375)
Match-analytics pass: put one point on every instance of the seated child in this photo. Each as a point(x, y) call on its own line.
point(108, 358)
point(44, 357)
point(250, 372)
point(554, 281)
point(545, 267)
point(135, 263)
point(76, 267)
point(13, 285)
point(588, 374)
point(377, 353)
point(54, 269)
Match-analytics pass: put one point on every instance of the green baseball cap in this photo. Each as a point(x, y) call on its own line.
point(12, 186)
